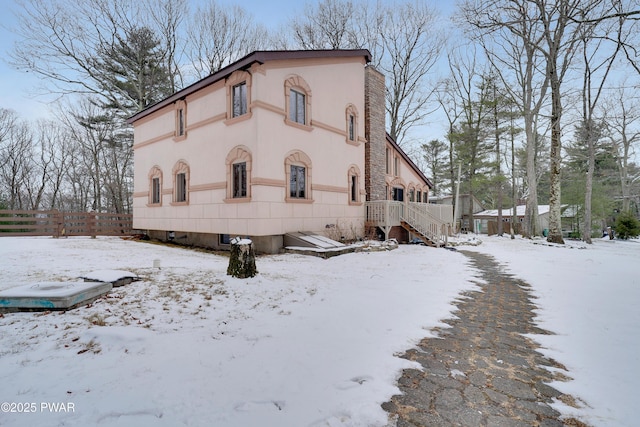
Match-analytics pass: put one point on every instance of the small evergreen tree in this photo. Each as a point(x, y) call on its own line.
point(435, 155)
point(627, 225)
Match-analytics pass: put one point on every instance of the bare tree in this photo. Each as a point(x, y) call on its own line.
point(404, 39)
point(167, 17)
point(623, 131)
point(21, 176)
point(597, 67)
point(557, 26)
point(102, 159)
point(412, 46)
point(219, 35)
point(8, 120)
point(450, 105)
point(327, 25)
point(561, 36)
point(510, 35)
point(56, 152)
point(60, 41)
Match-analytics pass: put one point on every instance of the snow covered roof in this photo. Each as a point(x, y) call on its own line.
point(520, 211)
point(568, 211)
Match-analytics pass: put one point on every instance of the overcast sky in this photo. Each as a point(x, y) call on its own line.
point(16, 87)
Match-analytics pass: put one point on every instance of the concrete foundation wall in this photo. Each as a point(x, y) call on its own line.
point(261, 244)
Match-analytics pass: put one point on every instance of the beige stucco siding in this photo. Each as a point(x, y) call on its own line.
point(208, 141)
point(406, 177)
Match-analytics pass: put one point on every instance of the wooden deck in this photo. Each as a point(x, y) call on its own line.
point(430, 222)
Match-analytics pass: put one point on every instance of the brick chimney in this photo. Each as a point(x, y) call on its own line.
point(376, 135)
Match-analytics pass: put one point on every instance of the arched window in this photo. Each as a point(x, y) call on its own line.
point(238, 87)
point(397, 188)
point(354, 185)
point(412, 192)
point(181, 183)
point(297, 102)
point(419, 194)
point(155, 186)
point(351, 116)
point(238, 174)
point(297, 167)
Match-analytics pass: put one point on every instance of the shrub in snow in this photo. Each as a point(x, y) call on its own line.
point(627, 225)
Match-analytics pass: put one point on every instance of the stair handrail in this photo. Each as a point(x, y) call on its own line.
point(426, 223)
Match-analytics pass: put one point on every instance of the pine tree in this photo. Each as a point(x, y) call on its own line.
point(627, 226)
point(134, 74)
point(435, 153)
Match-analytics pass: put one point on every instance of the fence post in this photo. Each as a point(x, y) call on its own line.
point(91, 223)
point(58, 223)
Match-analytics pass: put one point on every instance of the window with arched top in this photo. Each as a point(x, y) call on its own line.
point(155, 186)
point(412, 192)
point(297, 167)
point(419, 194)
point(239, 165)
point(297, 102)
point(351, 116)
point(238, 86)
point(354, 185)
point(397, 188)
point(180, 183)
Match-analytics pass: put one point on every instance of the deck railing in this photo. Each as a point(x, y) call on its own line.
point(431, 221)
point(384, 212)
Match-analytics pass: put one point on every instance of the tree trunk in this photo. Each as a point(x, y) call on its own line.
point(530, 226)
point(496, 124)
point(555, 226)
point(514, 203)
point(588, 191)
point(242, 263)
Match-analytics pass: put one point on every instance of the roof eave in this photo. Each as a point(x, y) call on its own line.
point(406, 157)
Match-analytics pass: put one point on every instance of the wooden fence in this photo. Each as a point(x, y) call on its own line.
point(506, 228)
point(61, 224)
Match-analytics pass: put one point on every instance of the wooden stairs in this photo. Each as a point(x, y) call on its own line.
point(425, 238)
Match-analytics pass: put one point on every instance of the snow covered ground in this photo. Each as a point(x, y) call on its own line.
point(589, 296)
point(307, 342)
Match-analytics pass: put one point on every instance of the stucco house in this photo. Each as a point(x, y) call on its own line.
point(278, 142)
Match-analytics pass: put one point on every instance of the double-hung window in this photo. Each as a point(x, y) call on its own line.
point(180, 130)
point(354, 188)
point(297, 107)
point(155, 190)
point(297, 182)
point(239, 189)
point(387, 162)
point(181, 187)
point(239, 94)
point(352, 127)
